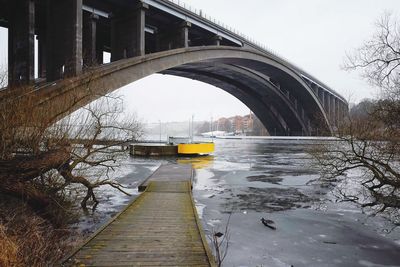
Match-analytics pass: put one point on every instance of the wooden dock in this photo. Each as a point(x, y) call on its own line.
point(160, 228)
point(169, 173)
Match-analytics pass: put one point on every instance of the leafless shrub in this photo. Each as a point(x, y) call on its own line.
point(220, 242)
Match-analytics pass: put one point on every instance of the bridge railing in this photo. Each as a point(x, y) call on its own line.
point(200, 13)
point(254, 43)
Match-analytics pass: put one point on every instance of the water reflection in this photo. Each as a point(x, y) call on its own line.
point(200, 162)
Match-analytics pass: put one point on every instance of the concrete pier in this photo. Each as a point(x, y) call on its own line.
point(90, 39)
point(64, 39)
point(21, 43)
point(128, 33)
point(153, 150)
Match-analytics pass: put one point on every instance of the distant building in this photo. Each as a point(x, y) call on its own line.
point(237, 124)
point(244, 125)
point(248, 123)
point(224, 124)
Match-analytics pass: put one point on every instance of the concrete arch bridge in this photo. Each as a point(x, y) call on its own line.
point(157, 36)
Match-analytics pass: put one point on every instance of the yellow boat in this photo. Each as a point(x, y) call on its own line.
point(195, 148)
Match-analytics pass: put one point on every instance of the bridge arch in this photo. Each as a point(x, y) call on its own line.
point(276, 93)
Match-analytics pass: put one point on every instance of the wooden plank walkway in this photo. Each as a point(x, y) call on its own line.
point(160, 228)
point(170, 172)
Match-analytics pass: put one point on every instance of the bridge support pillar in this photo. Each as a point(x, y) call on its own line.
point(21, 43)
point(177, 36)
point(333, 111)
point(183, 37)
point(338, 115)
point(315, 89)
point(41, 38)
point(90, 39)
point(216, 40)
point(328, 106)
point(321, 96)
point(64, 39)
point(342, 110)
point(128, 33)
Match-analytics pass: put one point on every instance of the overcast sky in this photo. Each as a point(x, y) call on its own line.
point(313, 34)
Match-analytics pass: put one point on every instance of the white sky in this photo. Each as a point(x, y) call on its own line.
point(313, 34)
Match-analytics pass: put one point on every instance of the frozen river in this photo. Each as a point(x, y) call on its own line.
point(251, 179)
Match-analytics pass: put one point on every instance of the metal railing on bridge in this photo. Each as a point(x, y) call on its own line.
point(254, 43)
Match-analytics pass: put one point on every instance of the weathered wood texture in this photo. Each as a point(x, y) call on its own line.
point(160, 228)
point(169, 173)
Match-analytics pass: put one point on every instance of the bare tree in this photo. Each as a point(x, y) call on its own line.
point(364, 147)
point(379, 57)
point(100, 121)
point(370, 137)
point(36, 150)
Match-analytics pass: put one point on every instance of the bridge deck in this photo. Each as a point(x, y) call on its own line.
point(160, 228)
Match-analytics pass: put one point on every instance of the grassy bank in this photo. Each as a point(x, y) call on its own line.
point(27, 239)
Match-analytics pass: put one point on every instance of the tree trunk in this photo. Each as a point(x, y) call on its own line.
point(25, 168)
point(16, 176)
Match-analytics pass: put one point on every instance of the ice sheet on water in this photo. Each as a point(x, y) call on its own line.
point(371, 264)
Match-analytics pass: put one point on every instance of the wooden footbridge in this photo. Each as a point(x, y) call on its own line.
point(159, 228)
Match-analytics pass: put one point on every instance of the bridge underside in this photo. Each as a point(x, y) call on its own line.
point(279, 98)
point(276, 111)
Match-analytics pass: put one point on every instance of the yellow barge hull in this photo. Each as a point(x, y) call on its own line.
point(195, 148)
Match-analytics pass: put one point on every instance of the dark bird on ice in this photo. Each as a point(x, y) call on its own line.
point(218, 234)
point(268, 223)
